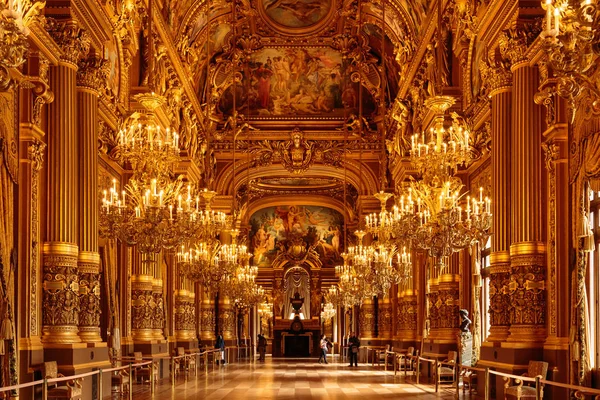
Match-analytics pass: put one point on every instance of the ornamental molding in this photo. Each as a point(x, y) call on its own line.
point(296, 154)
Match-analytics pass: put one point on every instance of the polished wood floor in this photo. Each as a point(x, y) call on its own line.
point(292, 379)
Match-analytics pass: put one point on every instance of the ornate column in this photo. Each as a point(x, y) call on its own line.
point(61, 252)
point(91, 75)
point(207, 318)
point(444, 306)
point(185, 311)
point(500, 80)
point(143, 304)
point(384, 318)
point(158, 314)
point(527, 289)
point(226, 319)
point(366, 319)
point(406, 313)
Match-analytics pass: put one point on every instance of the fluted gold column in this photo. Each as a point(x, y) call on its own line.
point(527, 250)
point(227, 318)
point(207, 318)
point(61, 252)
point(90, 77)
point(366, 319)
point(501, 95)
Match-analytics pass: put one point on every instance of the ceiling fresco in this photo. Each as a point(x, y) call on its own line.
point(297, 82)
point(295, 13)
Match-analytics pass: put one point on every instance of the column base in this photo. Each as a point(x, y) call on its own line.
point(185, 335)
point(158, 334)
point(526, 336)
point(498, 333)
point(90, 334)
point(143, 335)
point(60, 335)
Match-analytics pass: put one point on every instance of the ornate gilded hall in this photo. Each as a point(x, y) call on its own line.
point(199, 198)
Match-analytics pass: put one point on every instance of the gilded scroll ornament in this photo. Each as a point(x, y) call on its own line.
point(527, 290)
point(61, 298)
point(297, 154)
point(551, 150)
point(35, 154)
point(499, 298)
point(406, 314)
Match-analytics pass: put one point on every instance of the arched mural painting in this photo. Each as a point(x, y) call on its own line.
point(296, 229)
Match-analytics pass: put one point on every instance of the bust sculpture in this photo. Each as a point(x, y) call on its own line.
point(465, 321)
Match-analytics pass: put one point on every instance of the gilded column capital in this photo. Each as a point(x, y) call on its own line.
point(514, 43)
point(92, 72)
point(72, 39)
point(497, 75)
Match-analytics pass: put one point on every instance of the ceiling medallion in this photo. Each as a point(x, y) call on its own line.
point(296, 17)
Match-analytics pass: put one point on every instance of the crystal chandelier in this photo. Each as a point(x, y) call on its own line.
point(328, 312)
point(242, 288)
point(445, 148)
point(404, 264)
point(195, 263)
point(431, 215)
point(381, 225)
point(572, 42)
point(154, 210)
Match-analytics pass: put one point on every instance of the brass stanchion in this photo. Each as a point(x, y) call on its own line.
point(100, 384)
point(152, 380)
point(486, 387)
point(538, 388)
point(437, 376)
point(172, 371)
point(418, 369)
point(45, 389)
point(130, 381)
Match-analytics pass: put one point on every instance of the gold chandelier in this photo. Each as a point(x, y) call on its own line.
point(572, 42)
point(155, 210)
point(195, 263)
point(434, 215)
point(328, 311)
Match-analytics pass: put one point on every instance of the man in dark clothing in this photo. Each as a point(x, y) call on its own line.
point(221, 346)
point(353, 345)
point(262, 347)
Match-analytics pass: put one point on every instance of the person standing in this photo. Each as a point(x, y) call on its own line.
point(262, 347)
point(221, 346)
point(324, 348)
point(353, 345)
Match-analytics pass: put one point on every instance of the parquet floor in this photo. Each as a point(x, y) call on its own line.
point(292, 379)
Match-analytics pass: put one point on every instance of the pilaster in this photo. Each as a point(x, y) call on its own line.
point(207, 318)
